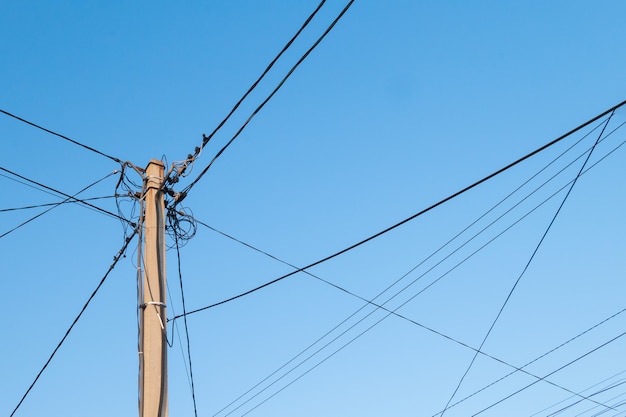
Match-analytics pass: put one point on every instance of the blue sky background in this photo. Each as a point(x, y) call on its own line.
point(403, 104)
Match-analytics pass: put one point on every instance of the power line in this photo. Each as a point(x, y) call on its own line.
point(182, 294)
point(551, 373)
point(567, 342)
point(185, 191)
point(393, 311)
point(62, 136)
point(532, 257)
point(414, 216)
point(206, 139)
point(76, 200)
point(116, 258)
point(57, 205)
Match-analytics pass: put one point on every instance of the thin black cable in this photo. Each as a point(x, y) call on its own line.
point(182, 295)
point(182, 166)
point(57, 205)
point(567, 342)
point(116, 258)
point(386, 316)
point(185, 191)
point(601, 391)
point(410, 299)
point(587, 389)
point(532, 257)
point(408, 219)
point(206, 139)
point(62, 136)
point(76, 200)
point(371, 301)
point(551, 373)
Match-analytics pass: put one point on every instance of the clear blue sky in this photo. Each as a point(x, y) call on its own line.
point(401, 105)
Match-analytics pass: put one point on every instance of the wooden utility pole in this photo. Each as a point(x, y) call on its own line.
point(152, 317)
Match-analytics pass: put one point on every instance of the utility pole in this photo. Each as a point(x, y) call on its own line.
point(152, 314)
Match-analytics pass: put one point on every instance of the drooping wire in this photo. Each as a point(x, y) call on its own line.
point(410, 299)
point(606, 388)
point(183, 168)
point(116, 258)
point(182, 295)
point(394, 311)
point(73, 197)
point(598, 392)
point(62, 137)
point(54, 204)
point(186, 190)
point(76, 200)
point(552, 373)
point(181, 227)
point(381, 307)
point(532, 257)
point(549, 352)
point(414, 216)
point(126, 190)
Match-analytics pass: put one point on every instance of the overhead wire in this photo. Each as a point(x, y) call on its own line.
point(116, 258)
point(54, 204)
point(182, 294)
point(587, 389)
point(412, 217)
point(552, 373)
point(532, 257)
point(549, 352)
point(186, 190)
point(379, 321)
point(371, 301)
point(180, 168)
point(600, 391)
point(73, 197)
point(62, 137)
point(554, 194)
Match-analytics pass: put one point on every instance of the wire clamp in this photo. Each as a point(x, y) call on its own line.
point(153, 303)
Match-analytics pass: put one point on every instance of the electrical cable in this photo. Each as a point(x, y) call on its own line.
point(180, 169)
point(62, 136)
point(410, 299)
point(206, 139)
point(54, 204)
point(57, 204)
point(76, 200)
point(379, 321)
point(551, 373)
point(371, 301)
point(182, 294)
point(532, 257)
point(601, 391)
point(186, 190)
point(414, 216)
point(549, 352)
point(116, 258)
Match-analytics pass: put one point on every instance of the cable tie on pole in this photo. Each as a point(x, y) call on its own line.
point(153, 303)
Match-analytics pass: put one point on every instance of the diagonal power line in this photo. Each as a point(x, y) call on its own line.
point(70, 198)
point(532, 257)
point(186, 190)
point(62, 136)
point(410, 218)
point(117, 257)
